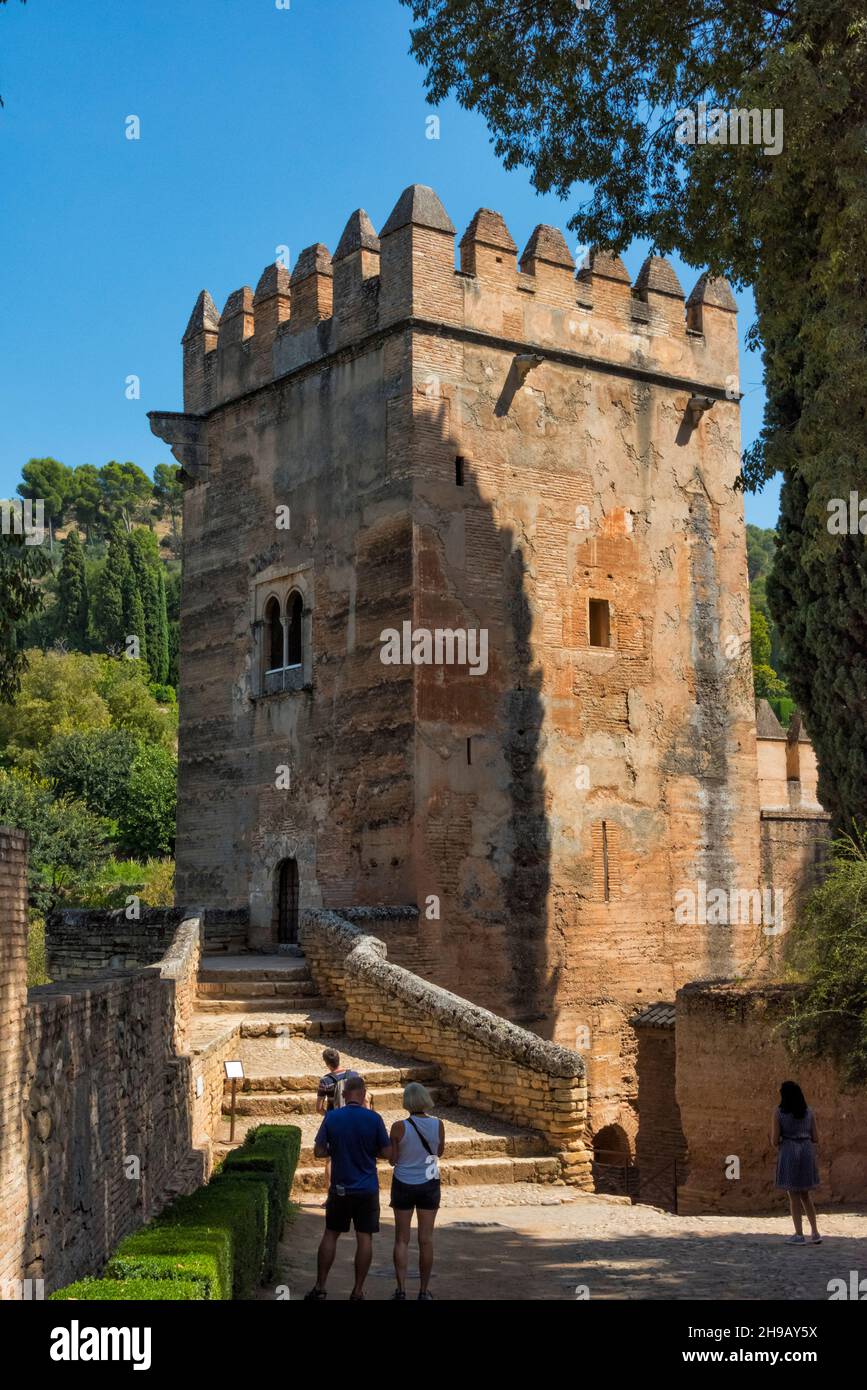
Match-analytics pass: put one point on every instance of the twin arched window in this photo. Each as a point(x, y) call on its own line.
point(284, 645)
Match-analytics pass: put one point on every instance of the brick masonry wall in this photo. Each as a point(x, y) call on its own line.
point(97, 1114)
point(495, 1066)
point(13, 999)
point(660, 1139)
point(730, 1064)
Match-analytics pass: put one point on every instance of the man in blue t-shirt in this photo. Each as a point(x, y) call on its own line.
point(353, 1138)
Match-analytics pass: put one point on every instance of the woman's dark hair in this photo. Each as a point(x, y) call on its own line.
point(792, 1100)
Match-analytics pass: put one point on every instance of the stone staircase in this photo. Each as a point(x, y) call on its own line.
point(284, 1027)
point(265, 995)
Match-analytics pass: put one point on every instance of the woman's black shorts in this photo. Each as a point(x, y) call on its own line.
point(417, 1196)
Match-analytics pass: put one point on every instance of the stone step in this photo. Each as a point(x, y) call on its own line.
point(465, 1145)
point(483, 1170)
point(257, 1005)
point(275, 1023)
point(276, 1104)
point(376, 1075)
point(296, 988)
point(234, 973)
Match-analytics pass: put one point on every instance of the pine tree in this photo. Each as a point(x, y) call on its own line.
point(72, 603)
point(108, 619)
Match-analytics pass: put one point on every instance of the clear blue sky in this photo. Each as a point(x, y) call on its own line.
point(259, 127)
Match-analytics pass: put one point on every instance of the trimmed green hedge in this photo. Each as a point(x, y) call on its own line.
point(113, 1290)
point(216, 1243)
point(238, 1209)
point(197, 1253)
point(269, 1153)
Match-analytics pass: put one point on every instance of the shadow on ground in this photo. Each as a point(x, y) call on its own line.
point(479, 1256)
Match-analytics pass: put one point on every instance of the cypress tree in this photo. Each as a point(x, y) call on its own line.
point(144, 570)
point(108, 619)
point(818, 594)
point(162, 631)
point(133, 612)
point(72, 593)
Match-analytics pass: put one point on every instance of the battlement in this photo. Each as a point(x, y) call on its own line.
point(406, 276)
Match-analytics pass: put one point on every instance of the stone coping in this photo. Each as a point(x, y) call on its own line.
point(366, 955)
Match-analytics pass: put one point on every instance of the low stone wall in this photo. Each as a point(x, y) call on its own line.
point(226, 930)
point(83, 942)
point(99, 1122)
point(730, 1063)
point(495, 1066)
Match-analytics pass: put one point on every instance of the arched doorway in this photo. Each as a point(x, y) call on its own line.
point(286, 901)
point(613, 1169)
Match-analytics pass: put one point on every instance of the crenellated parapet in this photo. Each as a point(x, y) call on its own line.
point(406, 277)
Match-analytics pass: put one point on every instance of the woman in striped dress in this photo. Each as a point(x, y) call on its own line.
point(795, 1137)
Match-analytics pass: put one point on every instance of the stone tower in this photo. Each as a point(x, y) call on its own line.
point(465, 617)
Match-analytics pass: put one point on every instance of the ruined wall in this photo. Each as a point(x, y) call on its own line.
point(495, 1066)
point(730, 1064)
point(96, 1125)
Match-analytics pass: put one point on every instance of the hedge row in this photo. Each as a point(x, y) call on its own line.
point(219, 1242)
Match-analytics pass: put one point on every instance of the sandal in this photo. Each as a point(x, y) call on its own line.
point(315, 1294)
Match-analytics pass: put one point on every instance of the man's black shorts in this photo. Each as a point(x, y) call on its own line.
point(422, 1196)
point(361, 1209)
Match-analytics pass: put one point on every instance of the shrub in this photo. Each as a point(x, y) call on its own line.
point(37, 969)
point(67, 844)
point(827, 949)
point(237, 1209)
point(146, 823)
point(153, 882)
point(93, 766)
point(269, 1148)
point(112, 1290)
point(187, 1254)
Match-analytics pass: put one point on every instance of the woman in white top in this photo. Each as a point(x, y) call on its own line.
point(417, 1145)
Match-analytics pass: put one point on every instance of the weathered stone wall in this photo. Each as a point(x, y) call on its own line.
point(13, 1054)
point(83, 942)
point(495, 1066)
point(794, 848)
point(98, 1127)
point(730, 1064)
point(484, 449)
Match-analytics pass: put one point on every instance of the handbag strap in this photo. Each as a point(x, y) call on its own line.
point(420, 1135)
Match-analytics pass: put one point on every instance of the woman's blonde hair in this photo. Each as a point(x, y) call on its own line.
point(416, 1097)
